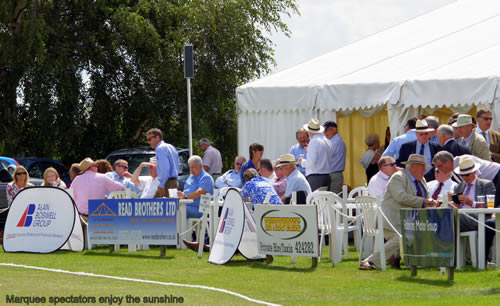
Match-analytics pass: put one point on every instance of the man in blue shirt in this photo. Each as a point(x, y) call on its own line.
point(296, 181)
point(256, 189)
point(197, 184)
point(298, 150)
point(168, 164)
point(232, 177)
point(395, 145)
point(338, 158)
point(122, 175)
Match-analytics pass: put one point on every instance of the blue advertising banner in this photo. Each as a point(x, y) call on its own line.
point(133, 221)
point(428, 237)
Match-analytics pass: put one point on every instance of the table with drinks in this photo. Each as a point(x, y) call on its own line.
point(484, 205)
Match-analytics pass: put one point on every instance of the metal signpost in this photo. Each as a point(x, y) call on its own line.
point(188, 74)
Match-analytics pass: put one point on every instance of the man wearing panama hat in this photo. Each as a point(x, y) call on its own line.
point(420, 146)
point(319, 152)
point(406, 189)
point(91, 185)
point(469, 189)
point(296, 182)
point(475, 142)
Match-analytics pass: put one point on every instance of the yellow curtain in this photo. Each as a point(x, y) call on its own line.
point(354, 128)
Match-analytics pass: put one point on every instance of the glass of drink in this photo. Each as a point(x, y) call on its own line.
point(491, 200)
point(480, 201)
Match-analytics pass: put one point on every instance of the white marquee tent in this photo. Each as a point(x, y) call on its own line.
point(447, 57)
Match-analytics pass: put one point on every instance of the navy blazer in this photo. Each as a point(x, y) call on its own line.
point(411, 148)
point(455, 148)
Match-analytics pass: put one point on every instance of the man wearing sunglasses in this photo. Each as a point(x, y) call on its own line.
point(232, 177)
point(492, 137)
point(378, 183)
point(168, 164)
point(122, 175)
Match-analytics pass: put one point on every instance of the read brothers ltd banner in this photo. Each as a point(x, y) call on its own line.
point(40, 220)
point(289, 230)
point(133, 221)
point(428, 237)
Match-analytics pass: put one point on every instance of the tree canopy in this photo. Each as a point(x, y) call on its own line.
point(83, 78)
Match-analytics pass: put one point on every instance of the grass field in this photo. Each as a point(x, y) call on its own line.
point(280, 282)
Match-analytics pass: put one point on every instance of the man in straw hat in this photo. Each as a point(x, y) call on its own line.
point(91, 185)
point(475, 142)
point(406, 189)
point(468, 190)
point(421, 146)
point(296, 182)
point(319, 153)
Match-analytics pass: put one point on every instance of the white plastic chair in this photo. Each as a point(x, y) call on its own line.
point(373, 226)
point(461, 254)
point(126, 194)
point(326, 214)
point(343, 223)
point(358, 191)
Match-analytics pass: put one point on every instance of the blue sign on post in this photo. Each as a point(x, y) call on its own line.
point(133, 221)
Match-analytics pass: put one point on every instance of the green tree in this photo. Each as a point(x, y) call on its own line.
point(82, 78)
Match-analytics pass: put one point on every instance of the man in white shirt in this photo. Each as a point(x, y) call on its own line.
point(319, 152)
point(441, 185)
point(378, 182)
point(148, 184)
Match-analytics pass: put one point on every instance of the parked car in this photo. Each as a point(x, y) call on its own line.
point(8, 163)
point(135, 156)
point(36, 167)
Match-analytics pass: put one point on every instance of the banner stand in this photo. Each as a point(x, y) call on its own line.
point(429, 238)
point(288, 230)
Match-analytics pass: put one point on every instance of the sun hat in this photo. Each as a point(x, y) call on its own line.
point(466, 165)
point(416, 159)
point(463, 120)
point(422, 126)
point(314, 126)
point(86, 164)
point(287, 159)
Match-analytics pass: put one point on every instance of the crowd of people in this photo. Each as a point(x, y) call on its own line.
point(417, 169)
point(457, 162)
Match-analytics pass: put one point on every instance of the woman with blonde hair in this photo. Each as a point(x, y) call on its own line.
point(20, 180)
point(51, 178)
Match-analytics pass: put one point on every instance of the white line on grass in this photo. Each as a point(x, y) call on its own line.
point(139, 281)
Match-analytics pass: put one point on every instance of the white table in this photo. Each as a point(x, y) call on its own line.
point(480, 233)
point(182, 221)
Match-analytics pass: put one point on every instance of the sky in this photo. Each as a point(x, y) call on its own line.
point(326, 25)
